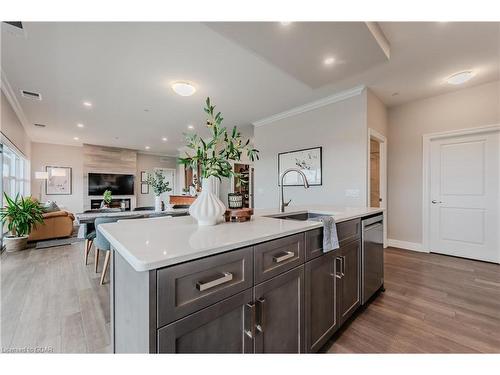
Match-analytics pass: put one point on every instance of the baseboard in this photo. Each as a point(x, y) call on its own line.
point(413, 246)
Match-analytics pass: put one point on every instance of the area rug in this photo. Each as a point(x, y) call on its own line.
point(58, 242)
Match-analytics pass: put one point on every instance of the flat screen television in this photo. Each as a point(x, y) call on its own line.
point(119, 184)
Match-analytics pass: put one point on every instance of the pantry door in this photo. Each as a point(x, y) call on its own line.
point(464, 196)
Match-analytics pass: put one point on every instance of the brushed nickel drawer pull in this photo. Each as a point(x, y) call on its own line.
point(283, 256)
point(226, 277)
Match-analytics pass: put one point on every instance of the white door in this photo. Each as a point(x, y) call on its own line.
point(464, 194)
point(169, 175)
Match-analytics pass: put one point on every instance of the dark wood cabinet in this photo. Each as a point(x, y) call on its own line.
point(321, 315)
point(349, 297)
point(280, 313)
point(280, 296)
point(221, 328)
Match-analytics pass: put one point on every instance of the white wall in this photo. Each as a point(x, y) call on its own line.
point(341, 129)
point(467, 108)
point(377, 116)
point(11, 127)
point(48, 154)
point(147, 163)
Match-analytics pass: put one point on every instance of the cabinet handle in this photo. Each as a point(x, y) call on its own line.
point(338, 268)
point(250, 320)
point(261, 315)
point(226, 277)
point(283, 256)
point(343, 266)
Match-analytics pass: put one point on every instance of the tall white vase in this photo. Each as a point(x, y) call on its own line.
point(207, 209)
point(157, 203)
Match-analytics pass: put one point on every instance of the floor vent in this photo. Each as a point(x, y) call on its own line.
point(31, 95)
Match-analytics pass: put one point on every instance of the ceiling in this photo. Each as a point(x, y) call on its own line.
point(250, 70)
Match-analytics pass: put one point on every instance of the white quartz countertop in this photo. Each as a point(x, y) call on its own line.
point(158, 242)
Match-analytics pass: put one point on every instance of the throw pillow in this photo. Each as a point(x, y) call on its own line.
point(50, 206)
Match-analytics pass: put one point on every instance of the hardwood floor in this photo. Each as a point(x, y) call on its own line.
point(432, 304)
point(51, 299)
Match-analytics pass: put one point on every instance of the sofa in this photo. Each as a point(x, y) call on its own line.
point(56, 224)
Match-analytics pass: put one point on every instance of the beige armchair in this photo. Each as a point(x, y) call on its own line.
point(56, 225)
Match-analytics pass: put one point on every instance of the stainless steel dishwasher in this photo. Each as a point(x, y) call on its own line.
point(372, 256)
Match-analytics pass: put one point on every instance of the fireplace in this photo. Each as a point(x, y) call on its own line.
point(115, 203)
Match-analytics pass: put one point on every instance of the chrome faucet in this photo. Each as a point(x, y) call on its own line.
point(282, 177)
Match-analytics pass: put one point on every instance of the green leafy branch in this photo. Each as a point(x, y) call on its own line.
point(158, 183)
point(214, 155)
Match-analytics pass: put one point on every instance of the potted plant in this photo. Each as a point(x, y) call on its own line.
point(159, 185)
point(106, 199)
point(214, 155)
point(20, 214)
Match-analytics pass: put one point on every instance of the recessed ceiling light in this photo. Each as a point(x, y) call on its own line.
point(183, 88)
point(76, 138)
point(461, 77)
point(164, 139)
point(329, 61)
point(147, 147)
point(87, 104)
point(190, 127)
point(80, 126)
point(285, 23)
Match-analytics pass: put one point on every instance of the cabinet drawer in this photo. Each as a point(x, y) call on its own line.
point(314, 243)
point(188, 287)
point(277, 256)
point(348, 231)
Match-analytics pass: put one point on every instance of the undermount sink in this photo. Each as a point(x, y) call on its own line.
point(302, 216)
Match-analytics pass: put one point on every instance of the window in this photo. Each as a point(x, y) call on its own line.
point(15, 173)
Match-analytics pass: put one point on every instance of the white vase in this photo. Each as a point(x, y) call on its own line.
point(207, 209)
point(157, 203)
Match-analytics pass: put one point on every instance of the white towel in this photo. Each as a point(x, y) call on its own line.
point(330, 238)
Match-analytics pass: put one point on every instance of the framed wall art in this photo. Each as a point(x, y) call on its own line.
point(307, 160)
point(59, 181)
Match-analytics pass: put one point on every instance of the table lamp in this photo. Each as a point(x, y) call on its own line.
point(41, 176)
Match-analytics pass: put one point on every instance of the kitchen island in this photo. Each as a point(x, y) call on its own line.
point(259, 286)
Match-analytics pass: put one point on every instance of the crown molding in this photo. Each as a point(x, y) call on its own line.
point(12, 99)
point(343, 95)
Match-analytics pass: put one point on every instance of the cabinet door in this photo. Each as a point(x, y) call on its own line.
point(321, 318)
point(221, 328)
point(350, 282)
point(280, 313)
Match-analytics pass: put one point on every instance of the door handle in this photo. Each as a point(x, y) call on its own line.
point(343, 266)
point(250, 320)
point(435, 201)
point(261, 314)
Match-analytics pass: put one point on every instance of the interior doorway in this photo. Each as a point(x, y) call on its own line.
point(461, 193)
point(375, 198)
point(377, 173)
